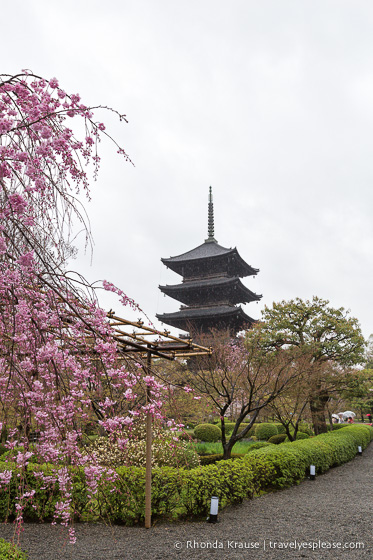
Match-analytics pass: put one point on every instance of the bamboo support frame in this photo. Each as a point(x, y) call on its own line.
point(164, 346)
point(148, 471)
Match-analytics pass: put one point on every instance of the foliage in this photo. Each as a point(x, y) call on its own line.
point(264, 431)
point(210, 459)
point(9, 551)
point(280, 428)
point(207, 432)
point(300, 435)
point(291, 461)
point(258, 445)
point(240, 378)
point(334, 427)
point(305, 428)
point(185, 436)
point(279, 438)
point(229, 427)
point(167, 450)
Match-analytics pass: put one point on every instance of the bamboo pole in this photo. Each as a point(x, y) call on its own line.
point(148, 473)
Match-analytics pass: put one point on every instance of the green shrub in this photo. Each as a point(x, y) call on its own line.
point(334, 427)
point(207, 432)
point(264, 431)
point(303, 427)
point(292, 460)
point(279, 438)
point(258, 445)
point(300, 435)
point(210, 459)
point(9, 551)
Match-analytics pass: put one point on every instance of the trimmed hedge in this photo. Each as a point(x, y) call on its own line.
point(207, 432)
point(178, 493)
point(9, 551)
point(292, 460)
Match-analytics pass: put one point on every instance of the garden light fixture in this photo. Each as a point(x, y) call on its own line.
point(213, 518)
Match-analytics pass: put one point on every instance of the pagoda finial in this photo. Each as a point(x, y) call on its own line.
point(210, 229)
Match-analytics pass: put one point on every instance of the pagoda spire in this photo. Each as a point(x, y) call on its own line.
point(210, 227)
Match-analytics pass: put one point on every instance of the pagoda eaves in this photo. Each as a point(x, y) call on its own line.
point(203, 319)
point(211, 257)
point(220, 289)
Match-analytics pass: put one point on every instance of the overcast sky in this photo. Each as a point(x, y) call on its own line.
point(270, 102)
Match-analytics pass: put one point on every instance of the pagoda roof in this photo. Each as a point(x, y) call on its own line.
point(192, 315)
point(208, 250)
point(179, 291)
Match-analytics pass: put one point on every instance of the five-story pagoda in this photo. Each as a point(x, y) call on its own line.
point(211, 287)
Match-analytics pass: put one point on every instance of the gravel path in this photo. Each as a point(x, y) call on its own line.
point(335, 510)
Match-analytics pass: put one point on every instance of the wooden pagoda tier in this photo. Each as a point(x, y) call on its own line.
point(211, 287)
point(202, 319)
point(210, 259)
point(222, 290)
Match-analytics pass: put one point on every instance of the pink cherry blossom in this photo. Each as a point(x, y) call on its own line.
point(59, 364)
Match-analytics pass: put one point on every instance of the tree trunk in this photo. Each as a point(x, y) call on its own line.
point(318, 404)
point(227, 449)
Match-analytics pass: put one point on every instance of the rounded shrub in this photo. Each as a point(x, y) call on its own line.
point(277, 439)
point(280, 428)
point(207, 432)
point(264, 431)
point(9, 551)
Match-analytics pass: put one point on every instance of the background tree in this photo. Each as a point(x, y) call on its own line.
point(240, 379)
point(327, 335)
point(358, 393)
